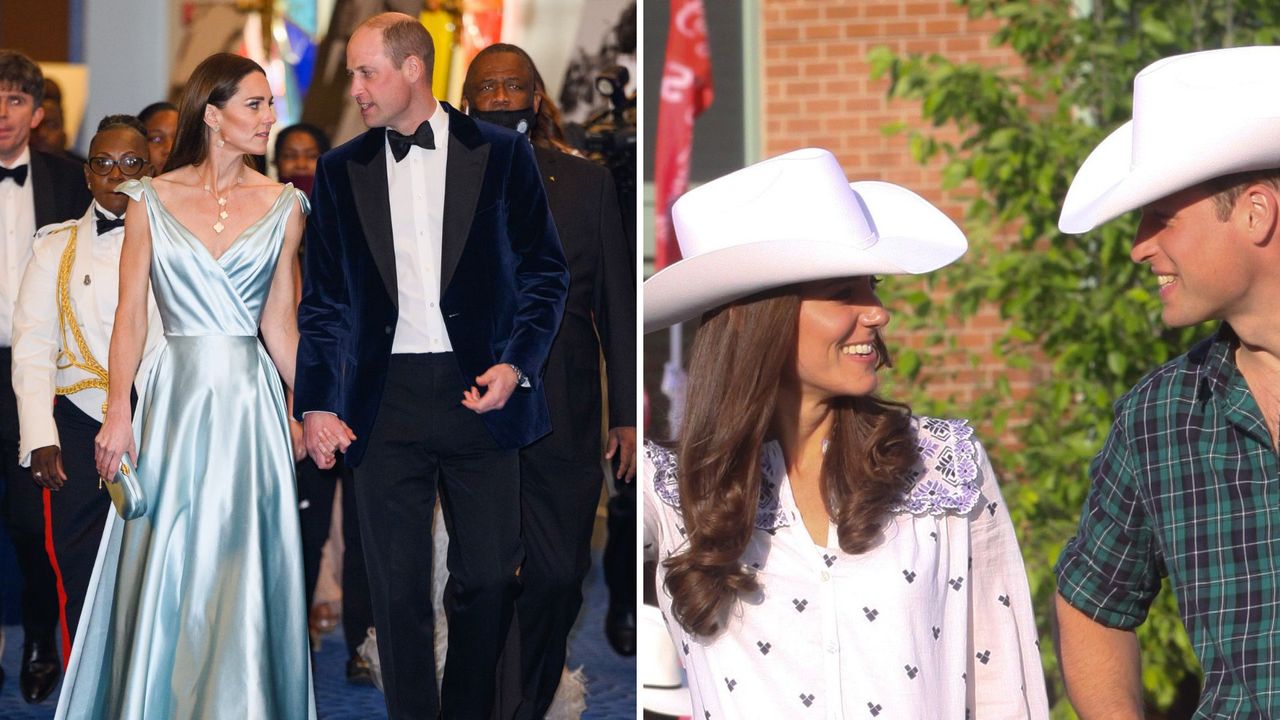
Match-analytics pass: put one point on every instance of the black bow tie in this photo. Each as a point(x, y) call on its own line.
point(17, 174)
point(422, 137)
point(105, 224)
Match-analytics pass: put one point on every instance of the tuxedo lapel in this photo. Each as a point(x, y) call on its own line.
point(368, 173)
point(463, 178)
point(43, 190)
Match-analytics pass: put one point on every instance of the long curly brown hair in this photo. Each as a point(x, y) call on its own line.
point(741, 355)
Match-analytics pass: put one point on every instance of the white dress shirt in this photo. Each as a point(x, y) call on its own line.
point(935, 621)
point(93, 291)
point(17, 227)
point(416, 187)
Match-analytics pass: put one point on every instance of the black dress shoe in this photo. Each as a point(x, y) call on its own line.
point(620, 628)
point(358, 672)
point(41, 669)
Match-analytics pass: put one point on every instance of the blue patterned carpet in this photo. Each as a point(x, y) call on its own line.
point(611, 690)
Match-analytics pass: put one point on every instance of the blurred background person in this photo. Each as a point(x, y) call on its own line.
point(161, 122)
point(36, 189)
point(50, 135)
point(297, 149)
point(561, 473)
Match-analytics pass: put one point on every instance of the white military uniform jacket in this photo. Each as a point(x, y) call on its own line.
point(62, 326)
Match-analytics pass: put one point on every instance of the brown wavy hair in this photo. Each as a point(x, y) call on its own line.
point(731, 402)
point(214, 81)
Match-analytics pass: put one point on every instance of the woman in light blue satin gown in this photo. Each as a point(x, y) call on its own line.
point(195, 609)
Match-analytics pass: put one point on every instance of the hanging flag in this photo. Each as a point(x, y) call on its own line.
point(686, 92)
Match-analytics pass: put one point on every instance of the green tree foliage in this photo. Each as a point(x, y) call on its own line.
point(1077, 303)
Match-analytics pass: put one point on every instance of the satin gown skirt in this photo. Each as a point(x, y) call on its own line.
point(196, 609)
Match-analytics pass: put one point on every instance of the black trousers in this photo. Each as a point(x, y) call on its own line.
point(315, 490)
point(423, 442)
point(23, 508)
point(620, 550)
point(558, 498)
point(77, 512)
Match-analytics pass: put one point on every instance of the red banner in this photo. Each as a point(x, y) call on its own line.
point(686, 92)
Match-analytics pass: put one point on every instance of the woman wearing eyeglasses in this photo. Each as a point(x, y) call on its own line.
point(61, 330)
point(823, 552)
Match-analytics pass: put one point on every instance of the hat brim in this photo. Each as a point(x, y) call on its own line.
point(914, 237)
point(666, 701)
point(1109, 185)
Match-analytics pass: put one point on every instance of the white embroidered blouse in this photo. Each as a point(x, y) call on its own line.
point(933, 622)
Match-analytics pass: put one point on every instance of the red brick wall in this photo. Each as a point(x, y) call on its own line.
point(818, 91)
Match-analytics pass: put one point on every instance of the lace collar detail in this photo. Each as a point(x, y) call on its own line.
point(770, 514)
point(945, 478)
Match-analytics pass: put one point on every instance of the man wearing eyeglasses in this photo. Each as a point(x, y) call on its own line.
point(35, 189)
point(61, 333)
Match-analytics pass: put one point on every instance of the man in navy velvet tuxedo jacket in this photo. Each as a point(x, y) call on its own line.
point(434, 287)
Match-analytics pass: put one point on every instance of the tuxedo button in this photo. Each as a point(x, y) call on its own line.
point(387, 329)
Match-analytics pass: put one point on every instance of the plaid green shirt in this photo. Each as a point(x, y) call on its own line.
point(1188, 485)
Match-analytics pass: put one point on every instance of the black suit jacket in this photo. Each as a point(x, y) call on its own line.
point(58, 187)
point(502, 279)
point(600, 313)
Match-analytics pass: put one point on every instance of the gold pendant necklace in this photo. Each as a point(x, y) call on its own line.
point(218, 227)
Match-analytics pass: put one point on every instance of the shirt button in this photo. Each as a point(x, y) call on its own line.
point(431, 304)
point(831, 648)
point(825, 576)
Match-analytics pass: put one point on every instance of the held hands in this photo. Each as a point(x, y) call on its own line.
point(622, 440)
point(46, 467)
point(114, 439)
point(295, 439)
point(499, 382)
point(324, 436)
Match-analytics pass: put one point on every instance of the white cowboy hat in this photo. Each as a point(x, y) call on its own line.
point(663, 688)
point(1195, 117)
point(792, 219)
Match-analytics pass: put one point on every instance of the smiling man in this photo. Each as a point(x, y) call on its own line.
point(433, 289)
point(36, 189)
point(1186, 484)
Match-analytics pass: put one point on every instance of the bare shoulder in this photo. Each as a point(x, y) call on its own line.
point(180, 185)
point(260, 186)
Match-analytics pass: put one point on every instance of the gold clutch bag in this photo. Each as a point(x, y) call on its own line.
point(126, 493)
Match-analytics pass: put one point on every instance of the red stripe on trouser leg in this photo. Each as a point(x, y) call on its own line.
point(47, 496)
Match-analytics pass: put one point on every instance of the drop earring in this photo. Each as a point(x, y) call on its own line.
point(218, 129)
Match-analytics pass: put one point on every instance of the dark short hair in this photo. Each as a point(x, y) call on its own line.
point(17, 71)
point(156, 107)
point(322, 140)
point(112, 122)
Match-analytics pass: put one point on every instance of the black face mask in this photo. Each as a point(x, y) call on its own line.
point(519, 120)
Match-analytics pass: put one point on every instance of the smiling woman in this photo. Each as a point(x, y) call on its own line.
point(795, 498)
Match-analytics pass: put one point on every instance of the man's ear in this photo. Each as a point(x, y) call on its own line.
point(1261, 212)
point(37, 117)
point(412, 68)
